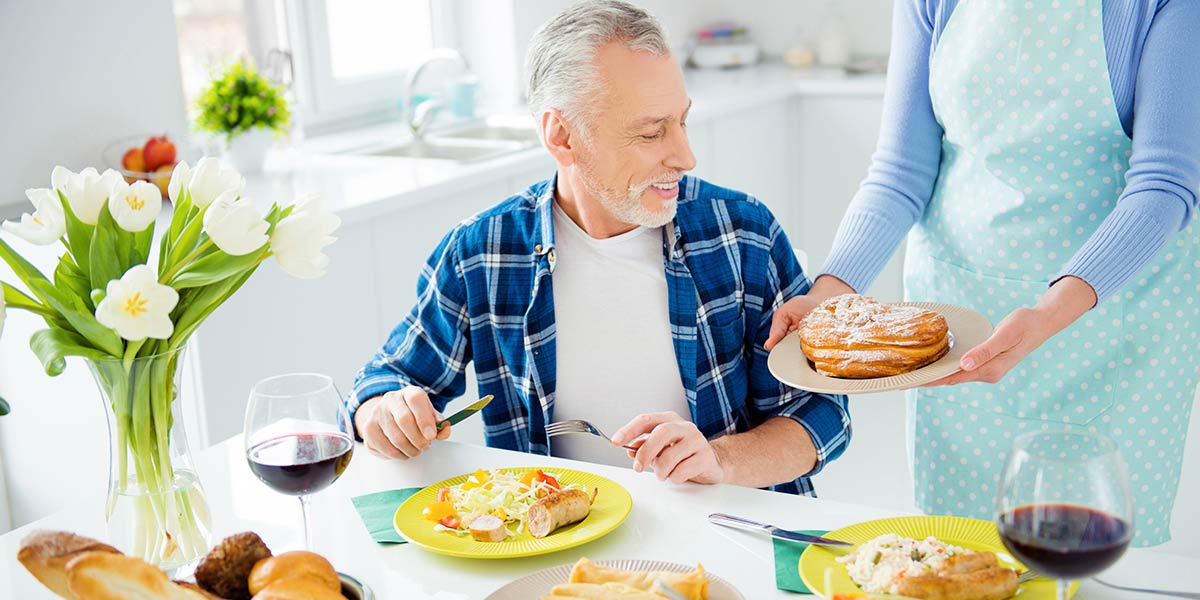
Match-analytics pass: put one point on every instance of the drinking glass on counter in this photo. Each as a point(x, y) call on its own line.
point(298, 436)
point(1065, 507)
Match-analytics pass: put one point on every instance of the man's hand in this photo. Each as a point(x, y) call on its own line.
point(674, 448)
point(399, 424)
point(787, 317)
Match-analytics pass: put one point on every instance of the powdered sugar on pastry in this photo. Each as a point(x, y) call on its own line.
point(856, 336)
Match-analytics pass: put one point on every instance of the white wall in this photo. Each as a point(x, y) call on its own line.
point(77, 76)
point(494, 34)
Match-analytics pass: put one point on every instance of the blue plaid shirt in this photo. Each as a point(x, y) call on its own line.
point(486, 295)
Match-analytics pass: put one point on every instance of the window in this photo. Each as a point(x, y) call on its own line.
point(341, 60)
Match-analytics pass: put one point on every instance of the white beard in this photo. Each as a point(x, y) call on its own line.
point(629, 208)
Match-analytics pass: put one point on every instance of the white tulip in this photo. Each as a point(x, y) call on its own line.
point(298, 239)
point(86, 191)
point(135, 207)
point(209, 181)
point(137, 306)
point(180, 177)
point(234, 226)
point(46, 225)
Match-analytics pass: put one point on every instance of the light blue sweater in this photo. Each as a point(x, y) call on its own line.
point(1153, 50)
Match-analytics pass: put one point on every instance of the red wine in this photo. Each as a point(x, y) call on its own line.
point(302, 463)
point(1063, 540)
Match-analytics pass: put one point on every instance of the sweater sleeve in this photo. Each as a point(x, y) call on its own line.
point(905, 164)
point(1164, 169)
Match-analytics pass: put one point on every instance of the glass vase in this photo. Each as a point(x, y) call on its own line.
point(156, 508)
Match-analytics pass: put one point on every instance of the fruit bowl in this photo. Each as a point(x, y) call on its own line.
point(128, 156)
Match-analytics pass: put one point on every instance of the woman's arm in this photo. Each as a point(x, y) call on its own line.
point(1164, 169)
point(906, 160)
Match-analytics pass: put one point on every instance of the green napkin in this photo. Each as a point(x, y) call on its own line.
point(787, 561)
point(377, 510)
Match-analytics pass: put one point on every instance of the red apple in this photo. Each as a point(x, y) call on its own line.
point(132, 161)
point(157, 152)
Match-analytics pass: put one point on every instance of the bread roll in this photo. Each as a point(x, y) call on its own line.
point(46, 554)
point(107, 576)
point(299, 587)
point(225, 570)
point(293, 564)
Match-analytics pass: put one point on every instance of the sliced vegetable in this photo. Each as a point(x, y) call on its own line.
point(439, 511)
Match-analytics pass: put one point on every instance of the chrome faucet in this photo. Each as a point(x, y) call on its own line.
point(419, 116)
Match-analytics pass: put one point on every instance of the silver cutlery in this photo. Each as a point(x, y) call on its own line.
point(1193, 595)
point(667, 591)
point(775, 532)
point(578, 426)
point(1027, 575)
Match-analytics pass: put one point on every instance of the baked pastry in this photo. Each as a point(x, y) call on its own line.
point(299, 587)
point(46, 554)
point(857, 337)
point(293, 564)
point(107, 576)
point(225, 570)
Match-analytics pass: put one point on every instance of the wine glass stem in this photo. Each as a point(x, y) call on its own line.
point(1064, 589)
point(308, 528)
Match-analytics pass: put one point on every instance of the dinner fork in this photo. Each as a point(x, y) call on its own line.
point(578, 426)
point(1028, 574)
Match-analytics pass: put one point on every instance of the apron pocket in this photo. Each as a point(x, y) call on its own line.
point(1068, 379)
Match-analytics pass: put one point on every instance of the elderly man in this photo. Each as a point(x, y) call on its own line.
point(618, 291)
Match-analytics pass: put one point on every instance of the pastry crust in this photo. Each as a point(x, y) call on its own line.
point(857, 337)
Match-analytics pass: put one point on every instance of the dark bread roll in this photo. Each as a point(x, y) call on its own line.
point(225, 570)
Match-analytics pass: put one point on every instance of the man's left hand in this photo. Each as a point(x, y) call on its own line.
point(673, 448)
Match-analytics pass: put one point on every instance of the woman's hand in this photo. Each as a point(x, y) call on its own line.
point(1023, 331)
point(788, 315)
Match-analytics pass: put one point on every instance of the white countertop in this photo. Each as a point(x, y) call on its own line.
point(668, 523)
point(360, 187)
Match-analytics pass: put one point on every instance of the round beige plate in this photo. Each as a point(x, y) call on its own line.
point(967, 328)
point(540, 583)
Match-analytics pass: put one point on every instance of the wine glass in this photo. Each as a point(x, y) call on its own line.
point(298, 436)
point(1064, 505)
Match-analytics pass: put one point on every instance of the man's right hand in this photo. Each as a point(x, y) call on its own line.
point(399, 424)
point(787, 317)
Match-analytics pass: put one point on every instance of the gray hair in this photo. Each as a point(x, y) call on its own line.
point(561, 57)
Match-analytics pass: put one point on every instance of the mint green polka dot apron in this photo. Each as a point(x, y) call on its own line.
point(1033, 159)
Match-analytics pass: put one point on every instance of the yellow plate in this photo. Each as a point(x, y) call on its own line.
point(608, 512)
point(972, 534)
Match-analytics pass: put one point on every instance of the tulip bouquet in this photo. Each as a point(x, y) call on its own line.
point(129, 311)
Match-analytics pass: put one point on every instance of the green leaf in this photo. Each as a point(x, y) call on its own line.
point(213, 268)
point(52, 346)
point(185, 244)
point(179, 217)
point(69, 277)
point(201, 303)
point(105, 254)
point(15, 298)
point(140, 243)
point(23, 268)
point(3, 406)
point(77, 314)
point(79, 234)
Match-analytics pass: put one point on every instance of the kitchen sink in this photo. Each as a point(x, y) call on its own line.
point(475, 140)
point(444, 150)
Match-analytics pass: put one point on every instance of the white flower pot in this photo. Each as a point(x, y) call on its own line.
point(248, 152)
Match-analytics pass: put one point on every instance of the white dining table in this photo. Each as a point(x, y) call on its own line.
point(668, 522)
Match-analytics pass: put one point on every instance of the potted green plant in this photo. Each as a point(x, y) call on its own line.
point(247, 111)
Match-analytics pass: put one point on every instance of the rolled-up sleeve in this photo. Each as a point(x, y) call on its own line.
point(826, 417)
point(431, 347)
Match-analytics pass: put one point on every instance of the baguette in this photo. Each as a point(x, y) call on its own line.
point(45, 555)
point(107, 576)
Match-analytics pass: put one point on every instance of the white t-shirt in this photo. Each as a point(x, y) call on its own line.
point(615, 357)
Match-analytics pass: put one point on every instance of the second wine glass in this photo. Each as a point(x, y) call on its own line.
point(1065, 506)
point(298, 436)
